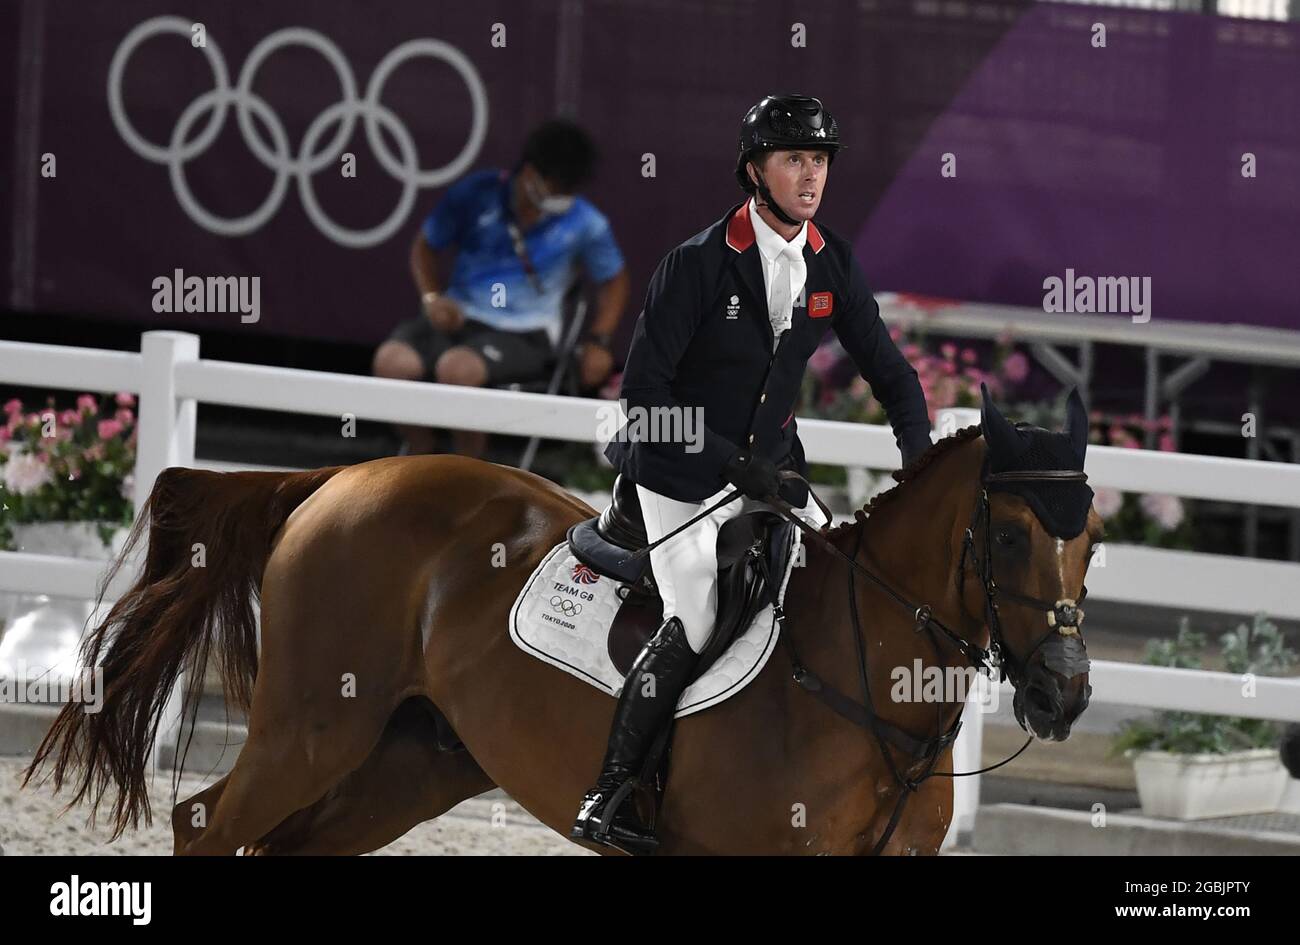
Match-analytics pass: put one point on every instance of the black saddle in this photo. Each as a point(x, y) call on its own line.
point(604, 543)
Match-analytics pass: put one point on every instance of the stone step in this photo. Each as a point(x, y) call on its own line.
point(1020, 830)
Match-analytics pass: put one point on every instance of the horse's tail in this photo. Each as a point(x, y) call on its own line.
point(210, 535)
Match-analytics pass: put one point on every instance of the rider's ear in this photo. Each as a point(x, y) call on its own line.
point(1000, 436)
point(1076, 423)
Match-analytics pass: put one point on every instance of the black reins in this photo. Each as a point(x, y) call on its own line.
point(1062, 617)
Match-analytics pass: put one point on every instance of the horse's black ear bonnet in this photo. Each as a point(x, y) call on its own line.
point(1062, 507)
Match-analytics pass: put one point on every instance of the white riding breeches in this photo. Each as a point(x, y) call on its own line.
point(686, 566)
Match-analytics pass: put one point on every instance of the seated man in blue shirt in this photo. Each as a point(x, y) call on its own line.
point(493, 263)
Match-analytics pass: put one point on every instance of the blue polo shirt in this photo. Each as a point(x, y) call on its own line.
point(489, 281)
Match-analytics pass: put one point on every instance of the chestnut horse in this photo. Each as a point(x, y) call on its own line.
point(384, 590)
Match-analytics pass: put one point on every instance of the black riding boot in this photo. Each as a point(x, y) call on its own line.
point(668, 659)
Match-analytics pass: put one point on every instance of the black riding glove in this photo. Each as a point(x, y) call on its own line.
point(755, 476)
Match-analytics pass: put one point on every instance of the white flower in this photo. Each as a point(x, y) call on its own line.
point(24, 474)
point(1107, 502)
point(127, 488)
point(1166, 510)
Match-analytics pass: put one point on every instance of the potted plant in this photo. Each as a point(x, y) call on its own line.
point(69, 469)
point(950, 379)
point(65, 489)
point(1191, 766)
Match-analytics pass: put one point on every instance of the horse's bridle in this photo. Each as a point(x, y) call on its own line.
point(1063, 617)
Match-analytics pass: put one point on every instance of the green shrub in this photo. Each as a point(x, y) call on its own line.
point(1258, 649)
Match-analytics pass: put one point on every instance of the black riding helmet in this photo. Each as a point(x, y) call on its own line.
point(784, 122)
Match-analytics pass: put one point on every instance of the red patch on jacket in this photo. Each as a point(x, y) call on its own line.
point(820, 304)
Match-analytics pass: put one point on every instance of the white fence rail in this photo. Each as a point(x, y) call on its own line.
point(171, 379)
point(1130, 684)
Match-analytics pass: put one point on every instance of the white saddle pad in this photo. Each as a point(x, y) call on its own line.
point(564, 612)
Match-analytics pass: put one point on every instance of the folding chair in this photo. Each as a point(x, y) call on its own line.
point(563, 378)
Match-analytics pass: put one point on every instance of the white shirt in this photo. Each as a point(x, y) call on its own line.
point(771, 246)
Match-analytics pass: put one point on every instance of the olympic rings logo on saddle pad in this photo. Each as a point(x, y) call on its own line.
point(276, 155)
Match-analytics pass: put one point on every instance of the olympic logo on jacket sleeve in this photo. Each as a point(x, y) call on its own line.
point(276, 154)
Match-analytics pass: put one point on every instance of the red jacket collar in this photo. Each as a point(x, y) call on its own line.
point(740, 231)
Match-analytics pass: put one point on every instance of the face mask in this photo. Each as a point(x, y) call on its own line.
point(556, 205)
point(549, 205)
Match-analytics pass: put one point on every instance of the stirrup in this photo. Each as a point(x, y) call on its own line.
point(623, 833)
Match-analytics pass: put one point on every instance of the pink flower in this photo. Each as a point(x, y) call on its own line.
point(968, 355)
point(87, 403)
point(124, 417)
point(25, 473)
point(93, 453)
point(1121, 437)
point(108, 429)
point(895, 333)
point(69, 418)
point(13, 406)
point(1167, 443)
point(124, 399)
point(1107, 501)
point(948, 350)
point(945, 394)
point(1165, 510)
point(1016, 367)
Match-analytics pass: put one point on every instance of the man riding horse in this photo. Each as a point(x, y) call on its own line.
point(726, 333)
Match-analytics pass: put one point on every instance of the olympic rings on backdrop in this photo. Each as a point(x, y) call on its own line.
point(277, 156)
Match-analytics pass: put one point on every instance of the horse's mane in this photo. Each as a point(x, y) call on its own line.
point(905, 475)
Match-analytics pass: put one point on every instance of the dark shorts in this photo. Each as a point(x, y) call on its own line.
point(510, 356)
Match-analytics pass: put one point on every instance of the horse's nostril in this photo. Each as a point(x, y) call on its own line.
point(1039, 700)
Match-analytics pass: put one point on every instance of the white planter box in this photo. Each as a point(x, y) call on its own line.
point(73, 539)
point(40, 634)
point(1194, 787)
point(1291, 797)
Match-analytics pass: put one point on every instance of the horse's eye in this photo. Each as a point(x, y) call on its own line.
point(1005, 537)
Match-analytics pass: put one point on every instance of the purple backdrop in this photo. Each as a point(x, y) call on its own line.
point(1115, 161)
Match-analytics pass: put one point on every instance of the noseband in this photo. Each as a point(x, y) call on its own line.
point(1064, 617)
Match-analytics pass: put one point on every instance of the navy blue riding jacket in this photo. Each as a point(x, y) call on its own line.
point(704, 339)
